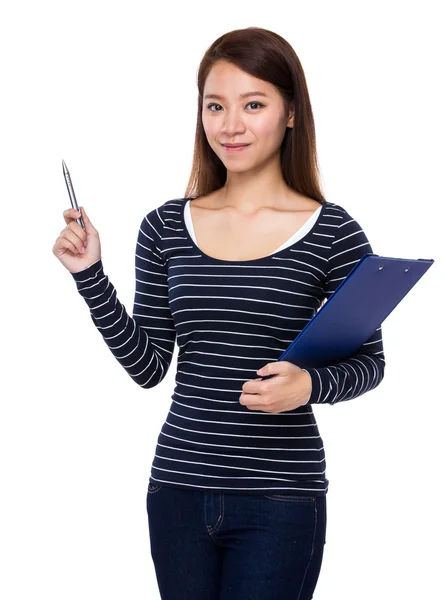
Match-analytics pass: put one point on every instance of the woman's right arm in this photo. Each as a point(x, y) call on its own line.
point(143, 343)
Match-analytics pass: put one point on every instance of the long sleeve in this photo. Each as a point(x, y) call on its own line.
point(364, 370)
point(142, 344)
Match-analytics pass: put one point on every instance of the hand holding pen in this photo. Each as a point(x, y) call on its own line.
point(78, 245)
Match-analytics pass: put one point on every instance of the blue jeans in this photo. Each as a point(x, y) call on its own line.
point(231, 546)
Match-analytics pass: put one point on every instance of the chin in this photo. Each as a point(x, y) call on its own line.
point(237, 163)
point(237, 168)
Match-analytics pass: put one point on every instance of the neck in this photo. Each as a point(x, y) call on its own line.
point(258, 188)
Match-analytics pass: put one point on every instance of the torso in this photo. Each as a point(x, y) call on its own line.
point(225, 234)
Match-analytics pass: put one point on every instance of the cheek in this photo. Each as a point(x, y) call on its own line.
point(210, 127)
point(266, 130)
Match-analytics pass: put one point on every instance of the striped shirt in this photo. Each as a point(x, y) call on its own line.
point(230, 318)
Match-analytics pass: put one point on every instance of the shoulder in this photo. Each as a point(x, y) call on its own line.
point(157, 217)
point(339, 216)
point(337, 210)
point(172, 206)
point(169, 207)
point(347, 232)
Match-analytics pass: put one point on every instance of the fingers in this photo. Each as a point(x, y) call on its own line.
point(77, 229)
point(65, 242)
point(70, 214)
point(73, 232)
point(75, 236)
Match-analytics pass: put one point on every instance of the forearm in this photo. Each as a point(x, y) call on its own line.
point(350, 378)
point(126, 339)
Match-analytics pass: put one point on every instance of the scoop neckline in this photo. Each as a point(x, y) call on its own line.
point(252, 260)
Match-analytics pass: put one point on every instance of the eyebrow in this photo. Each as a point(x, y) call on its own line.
point(245, 95)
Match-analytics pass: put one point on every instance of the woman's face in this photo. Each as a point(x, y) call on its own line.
point(232, 115)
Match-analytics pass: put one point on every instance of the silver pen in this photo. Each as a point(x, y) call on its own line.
point(71, 193)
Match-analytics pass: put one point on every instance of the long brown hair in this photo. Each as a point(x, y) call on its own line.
point(267, 56)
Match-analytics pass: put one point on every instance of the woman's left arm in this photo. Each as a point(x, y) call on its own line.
point(364, 370)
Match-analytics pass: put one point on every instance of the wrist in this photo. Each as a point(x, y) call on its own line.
point(307, 386)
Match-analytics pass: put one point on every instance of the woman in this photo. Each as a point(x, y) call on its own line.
point(233, 272)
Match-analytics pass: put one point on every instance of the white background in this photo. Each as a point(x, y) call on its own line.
point(110, 87)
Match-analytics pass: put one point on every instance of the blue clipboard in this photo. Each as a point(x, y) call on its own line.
point(358, 306)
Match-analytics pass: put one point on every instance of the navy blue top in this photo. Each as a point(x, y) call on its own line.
point(229, 318)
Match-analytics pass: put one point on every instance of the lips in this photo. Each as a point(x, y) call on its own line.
point(236, 149)
point(234, 145)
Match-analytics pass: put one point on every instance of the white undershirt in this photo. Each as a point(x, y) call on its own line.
point(300, 233)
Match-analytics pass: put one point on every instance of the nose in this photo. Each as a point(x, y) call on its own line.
point(233, 124)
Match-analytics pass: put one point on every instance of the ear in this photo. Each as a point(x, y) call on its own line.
point(290, 122)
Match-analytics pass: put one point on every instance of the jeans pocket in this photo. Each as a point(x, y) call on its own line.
point(291, 498)
point(153, 488)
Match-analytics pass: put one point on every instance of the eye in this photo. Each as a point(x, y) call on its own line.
point(209, 106)
point(253, 102)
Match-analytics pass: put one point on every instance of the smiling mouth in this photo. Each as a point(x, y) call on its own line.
point(236, 148)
